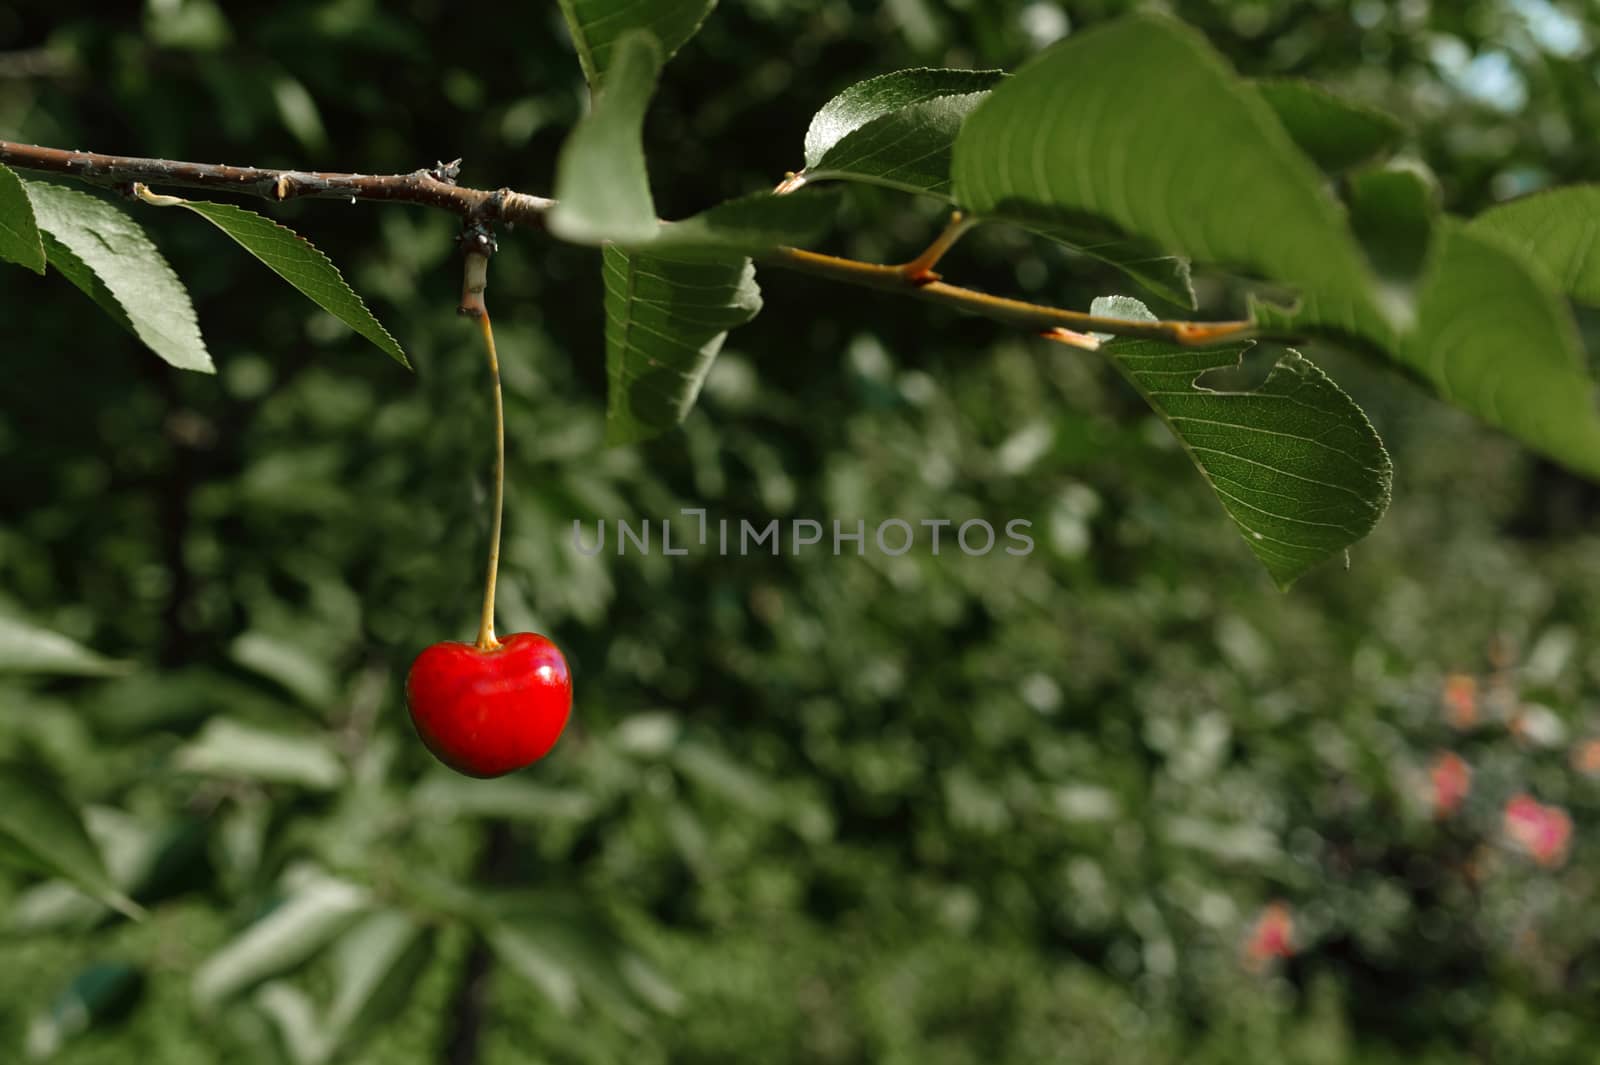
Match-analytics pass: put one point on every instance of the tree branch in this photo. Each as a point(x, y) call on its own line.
point(1033, 316)
point(437, 188)
point(434, 187)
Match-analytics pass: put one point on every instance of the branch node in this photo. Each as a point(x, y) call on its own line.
point(446, 172)
point(919, 271)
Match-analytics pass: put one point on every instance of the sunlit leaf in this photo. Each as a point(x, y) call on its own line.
point(1493, 337)
point(294, 1015)
point(237, 751)
point(1140, 123)
point(299, 929)
point(27, 648)
point(895, 130)
point(40, 830)
point(898, 130)
point(1294, 462)
point(602, 185)
point(293, 258)
point(375, 969)
point(288, 663)
point(19, 236)
point(1559, 229)
point(122, 267)
point(598, 26)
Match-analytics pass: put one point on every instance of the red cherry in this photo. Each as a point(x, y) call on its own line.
point(488, 713)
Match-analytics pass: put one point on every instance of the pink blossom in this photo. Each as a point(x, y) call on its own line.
point(1540, 831)
point(1271, 937)
point(1451, 777)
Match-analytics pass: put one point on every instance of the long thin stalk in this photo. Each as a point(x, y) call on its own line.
point(472, 304)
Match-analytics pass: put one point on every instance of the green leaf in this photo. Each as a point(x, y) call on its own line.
point(145, 864)
point(1167, 276)
point(293, 1013)
point(40, 830)
point(884, 96)
point(375, 969)
point(450, 795)
point(570, 952)
point(898, 131)
point(520, 949)
point(666, 320)
point(1338, 134)
point(1141, 124)
point(603, 191)
point(1295, 462)
point(1494, 338)
point(1490, 333)
point(1560, 229)
point(718, 773)
point(895, 130)
point(237, 751)
point(750, 225)
point(602, 186)
point(598, 27)
point(293, 258)
point(109, 257)
point(79, 273)
point(26, 648)
point(1393, 212)
point(19, 236)
point(102, 992)
point(288, 663)
point(299, 929)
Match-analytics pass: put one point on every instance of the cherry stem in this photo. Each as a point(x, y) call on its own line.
point(472, 304)
point(486, 637)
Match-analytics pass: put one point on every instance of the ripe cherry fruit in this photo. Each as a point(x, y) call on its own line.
point(491, 707)
point(488, 712)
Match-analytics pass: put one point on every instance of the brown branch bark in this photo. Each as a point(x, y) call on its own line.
point(435, 187)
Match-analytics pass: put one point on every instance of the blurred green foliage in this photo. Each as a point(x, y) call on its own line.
point(932, 809)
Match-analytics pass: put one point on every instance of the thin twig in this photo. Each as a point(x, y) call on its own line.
point(436, 187)
point(429, 187)
point(1032, 316)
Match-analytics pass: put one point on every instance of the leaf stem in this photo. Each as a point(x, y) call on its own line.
point(472, 304)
